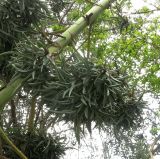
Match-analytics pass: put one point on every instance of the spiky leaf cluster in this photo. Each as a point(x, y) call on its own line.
point(57, 6)
point(29, 60)
point(16, 16)
point(36, 146)
point(83, 93)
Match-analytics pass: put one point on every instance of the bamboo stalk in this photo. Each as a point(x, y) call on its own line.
point(78, 26)
point(8, 92)
point(10, 143)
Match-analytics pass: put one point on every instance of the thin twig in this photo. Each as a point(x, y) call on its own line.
point(66, 12)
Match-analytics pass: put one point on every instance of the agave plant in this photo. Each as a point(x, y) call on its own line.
point(35, 146)
point(16, 18)
point(83, 93)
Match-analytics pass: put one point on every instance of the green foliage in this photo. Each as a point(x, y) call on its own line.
point(57, 6)
point(154, 130)
point(83, 93)
point(140, 150)
point(16, 17)
point(35, 146)
point(29, 59)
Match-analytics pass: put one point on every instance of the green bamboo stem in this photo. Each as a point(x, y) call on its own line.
point(78, 26)
point(8, 92)
point(10, 143)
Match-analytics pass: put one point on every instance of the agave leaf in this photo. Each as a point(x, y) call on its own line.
point(7, 34)
point(40, 143)
point(91, 117)
point(86, 112)
point(65, 92)
point(63, 111)
point(121, 118)
point(104, 100)
point(84, 90)
point(83, 101)
point(21, 70)
point(72, 87)
point(33, 74)
point(89, 100)
point(48, 143)
point(115, 85)
point(77, 128)
point(115, 79)
point(89, 125)
point(79, 105)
